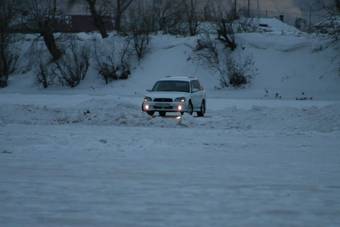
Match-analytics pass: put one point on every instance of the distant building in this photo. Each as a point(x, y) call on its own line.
point(78, 18)
point(82, 23)
point(69, 19)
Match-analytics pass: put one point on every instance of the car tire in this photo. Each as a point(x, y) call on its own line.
point(162, 113)
point(151, 113)
point(202, 110)
point(190, 108)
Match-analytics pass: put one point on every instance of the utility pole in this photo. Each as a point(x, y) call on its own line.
point(310, 19)
point(248, 8)
point(235, 8)
point(258, 8)
point(54, 8)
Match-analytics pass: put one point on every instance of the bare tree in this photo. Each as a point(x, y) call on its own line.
point(44, 17)
point(206, 49)
point(98, 20)
point(225, 33)
point(190, 7)
point(121, 7)
point(331, 24)
point(45, 74)
point(69, 70)
point(140, 28)
point(73, 67)
point(96, 15)
point(167, 15)
point(8, 59)
point(224, 17)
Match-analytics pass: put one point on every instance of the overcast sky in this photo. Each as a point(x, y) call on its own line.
point(294, 8)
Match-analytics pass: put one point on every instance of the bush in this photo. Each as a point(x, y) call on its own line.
point(226, 34)
point(111, 72)
point(72, 68)
point(140, 29)
point(207, 50)
point(108, 71)
point(8, 63)
point(44, 75)
point(69, 70)
point(240, 73)
point(141, 42)
point(108, 65)
point(8, 57)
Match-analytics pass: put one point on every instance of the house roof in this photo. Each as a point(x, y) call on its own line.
point(181, 78)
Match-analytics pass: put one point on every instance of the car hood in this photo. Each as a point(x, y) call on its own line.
point(172, 95)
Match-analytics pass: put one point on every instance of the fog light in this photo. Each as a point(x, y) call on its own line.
point(146, 107)
point(179, 108)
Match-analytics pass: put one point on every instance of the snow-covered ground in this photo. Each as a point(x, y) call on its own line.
point(89, 157)
point(77, 175)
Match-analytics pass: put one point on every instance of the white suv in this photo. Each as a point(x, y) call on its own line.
point(175, 94)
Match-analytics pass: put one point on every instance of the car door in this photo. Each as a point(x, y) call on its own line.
point(196, 94)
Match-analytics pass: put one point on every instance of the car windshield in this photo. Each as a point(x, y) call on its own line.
point(176, 86)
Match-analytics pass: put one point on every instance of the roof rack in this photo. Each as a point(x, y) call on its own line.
point(179, 76)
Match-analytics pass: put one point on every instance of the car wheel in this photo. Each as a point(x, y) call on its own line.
point(162, 113)
point(151, 113)
point(190, 108)
point(202, 110)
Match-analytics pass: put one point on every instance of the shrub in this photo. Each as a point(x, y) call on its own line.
point(240, 72)
point(111, 72)
point(8, 57)
point(44, 75)
point(108, 72)
point(140, 35)
point(141, 42)
point(206, 49)
point(73, 67)
point(8, 63)
point(113, 63)
point(69, 70)
point(226, 34)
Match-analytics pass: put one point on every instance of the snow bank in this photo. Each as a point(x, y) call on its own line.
point(276, 42)
point(125, 112)
point(274, 25)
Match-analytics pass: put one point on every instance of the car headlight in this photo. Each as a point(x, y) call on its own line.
point(147, 99)
point(180, 99)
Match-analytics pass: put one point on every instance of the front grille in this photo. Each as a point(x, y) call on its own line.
point(163, 107)
point(162, 100)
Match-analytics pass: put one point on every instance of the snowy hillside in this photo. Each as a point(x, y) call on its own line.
point(264, 155)
point(289, 64)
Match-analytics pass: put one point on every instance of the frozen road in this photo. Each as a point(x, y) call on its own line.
point(260, 165)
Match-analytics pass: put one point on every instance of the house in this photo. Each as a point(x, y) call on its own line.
point(81, 23)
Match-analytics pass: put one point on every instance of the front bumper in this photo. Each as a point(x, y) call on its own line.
point(164, 106)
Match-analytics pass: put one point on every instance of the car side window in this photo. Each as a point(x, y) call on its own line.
point(199, 85)
point(196, 85)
